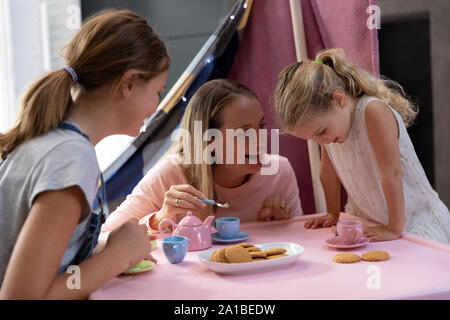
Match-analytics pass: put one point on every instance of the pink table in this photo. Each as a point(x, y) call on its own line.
point(417, 269)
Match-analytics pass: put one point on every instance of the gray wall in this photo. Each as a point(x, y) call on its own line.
point(438, 11)
point(184, 25)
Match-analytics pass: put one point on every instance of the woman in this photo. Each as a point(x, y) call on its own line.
point(178, 182)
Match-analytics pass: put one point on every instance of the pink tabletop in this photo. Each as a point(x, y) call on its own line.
point(417, 269)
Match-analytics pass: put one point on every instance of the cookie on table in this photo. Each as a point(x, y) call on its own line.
point(375, 256)
point(237, 254)
point(274, 256)
point(274, 251)
point(346, 258)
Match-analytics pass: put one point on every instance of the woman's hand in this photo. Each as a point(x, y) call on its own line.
point(380, 233)
point(328, 220)
point(179, 199)
point(274, 209)
point(131, 243)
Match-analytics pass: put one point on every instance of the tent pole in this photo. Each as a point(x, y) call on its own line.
point(313, 147)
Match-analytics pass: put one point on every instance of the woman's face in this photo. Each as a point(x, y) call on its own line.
point(244, 116)
point(143, 102)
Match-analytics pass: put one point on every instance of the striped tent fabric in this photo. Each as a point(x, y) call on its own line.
point(214, 60)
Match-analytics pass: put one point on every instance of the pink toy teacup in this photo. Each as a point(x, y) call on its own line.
point(349, 231)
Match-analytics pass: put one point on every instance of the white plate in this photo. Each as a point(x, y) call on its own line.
point(293, 250)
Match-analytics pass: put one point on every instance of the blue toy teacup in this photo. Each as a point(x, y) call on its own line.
point(227, 227)
point(175, 248)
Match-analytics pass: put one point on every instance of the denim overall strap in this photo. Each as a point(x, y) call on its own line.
point(97, 217)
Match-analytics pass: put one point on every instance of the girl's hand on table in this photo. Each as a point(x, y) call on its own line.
point(274, 208)
point(380, 233)
point(131, 243)
point(325, 221)
point(179, 199)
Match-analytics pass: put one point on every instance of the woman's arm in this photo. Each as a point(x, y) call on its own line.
point(32, 269)
point(383, 132)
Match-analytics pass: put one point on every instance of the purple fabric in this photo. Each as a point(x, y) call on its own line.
point(267, 46)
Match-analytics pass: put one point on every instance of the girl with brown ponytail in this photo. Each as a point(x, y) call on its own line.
point(49, 176)
point(360, 122)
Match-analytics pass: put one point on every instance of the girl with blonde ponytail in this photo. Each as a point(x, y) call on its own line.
point(50, 180)
point(360, 122)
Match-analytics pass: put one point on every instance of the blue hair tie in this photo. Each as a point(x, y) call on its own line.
point(72, 73)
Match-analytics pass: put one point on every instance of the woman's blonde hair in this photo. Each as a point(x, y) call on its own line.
point(206, 106)
point(306, 88)
point(107, 45)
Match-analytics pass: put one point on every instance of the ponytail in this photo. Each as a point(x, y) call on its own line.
point(44, 105)
point(307, 87)
point(359, 82)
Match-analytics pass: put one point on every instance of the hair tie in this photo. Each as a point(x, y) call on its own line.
point(72, 73)
point(319, 61)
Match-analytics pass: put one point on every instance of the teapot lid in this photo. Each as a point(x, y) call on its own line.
point(190, 221)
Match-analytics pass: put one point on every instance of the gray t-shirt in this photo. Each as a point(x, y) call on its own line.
point(54, 161)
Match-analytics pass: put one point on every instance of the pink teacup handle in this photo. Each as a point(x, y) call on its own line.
point(334, 230)
point(357, 234)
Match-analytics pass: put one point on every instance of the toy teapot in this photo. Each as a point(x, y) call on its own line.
point(191, 227)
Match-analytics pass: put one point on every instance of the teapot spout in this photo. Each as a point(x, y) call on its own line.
point(208, 221)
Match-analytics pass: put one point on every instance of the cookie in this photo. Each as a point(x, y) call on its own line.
point(237, 254)
point(246, 245)
point(220, 256)
point(253, 249)
point(258, 254)
point(274, 256)
point(375, 256)
point(258, 259)
point(274, 251)
point(212, 257)
point(346, 258)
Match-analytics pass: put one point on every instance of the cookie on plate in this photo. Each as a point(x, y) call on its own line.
point(246, 245)
point(274, 251)
point(346, 258)
point(274, 256)
point(212, 257)
point(258, 254)
point(375, 256)
point(258, 259)
point(220, 256)
point(253, 249)
point(237, 254)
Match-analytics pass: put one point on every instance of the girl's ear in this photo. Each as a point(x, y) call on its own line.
point(128, 82)
point(339, 98)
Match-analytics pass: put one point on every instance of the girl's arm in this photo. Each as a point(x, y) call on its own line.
point(383, 132)
point(332, 189)
point(32, 269)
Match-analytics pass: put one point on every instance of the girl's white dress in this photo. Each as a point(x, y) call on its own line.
point(357, 167)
